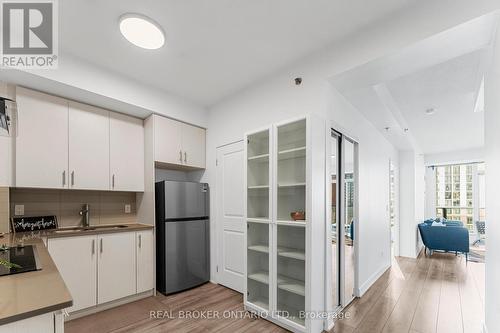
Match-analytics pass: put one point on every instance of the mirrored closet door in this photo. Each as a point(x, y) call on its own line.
point(343, 172)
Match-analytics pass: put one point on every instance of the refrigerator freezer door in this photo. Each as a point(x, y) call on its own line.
point(187, 254)
point(185, 199)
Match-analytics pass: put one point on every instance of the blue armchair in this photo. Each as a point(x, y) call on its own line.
point(452, 238)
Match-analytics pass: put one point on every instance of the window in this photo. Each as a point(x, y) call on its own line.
point(482, 192)
point(460, 193)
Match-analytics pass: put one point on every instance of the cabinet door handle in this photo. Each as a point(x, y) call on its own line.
point(185, 157)
point(100, 250)
point(72, 178)
point(140, 241)
point(113, 181)
point(64, 178)
point(180, 155)
point(93, 246)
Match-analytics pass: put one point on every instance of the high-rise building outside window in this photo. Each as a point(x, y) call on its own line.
point(460, 193)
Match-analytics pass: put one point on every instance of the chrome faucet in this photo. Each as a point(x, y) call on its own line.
point(85, 215)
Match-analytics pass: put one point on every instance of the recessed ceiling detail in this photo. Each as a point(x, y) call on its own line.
point(430, 94)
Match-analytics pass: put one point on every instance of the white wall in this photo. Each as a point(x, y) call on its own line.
point(5, 161)
point(406, 203)
point(87, 83)
point(412, 201)
point(278, 99)
point(419, 196)
point(456, 157)
point(430, 193)
point(6, 151)
point(492, 142)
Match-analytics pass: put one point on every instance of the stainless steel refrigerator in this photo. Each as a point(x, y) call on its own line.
point(182, 235)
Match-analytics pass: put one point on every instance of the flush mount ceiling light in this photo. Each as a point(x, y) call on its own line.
point(142, 31)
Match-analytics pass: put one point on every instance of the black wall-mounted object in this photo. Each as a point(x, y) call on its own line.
point(33, 223)
point(4, 116)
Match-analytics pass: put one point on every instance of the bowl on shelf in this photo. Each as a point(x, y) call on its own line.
point(298, 216)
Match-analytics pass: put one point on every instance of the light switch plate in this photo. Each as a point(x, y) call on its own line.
point(127, 209)
point(19, 210)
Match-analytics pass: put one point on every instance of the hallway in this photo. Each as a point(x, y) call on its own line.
point(430, 294)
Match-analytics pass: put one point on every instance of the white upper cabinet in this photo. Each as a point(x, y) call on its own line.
point(167, 140)
point(193, 146)
point(88, 147)
point(65, 144)
point(178, 144)
point(126, 153)
point(42, 140)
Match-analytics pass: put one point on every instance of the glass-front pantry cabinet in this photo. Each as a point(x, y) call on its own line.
point(285, 223)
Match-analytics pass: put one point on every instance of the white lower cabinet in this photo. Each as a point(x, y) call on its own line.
point(76, 258)
point(46, 323)
point(145, 256)
point(116, 266)
point(102, 268)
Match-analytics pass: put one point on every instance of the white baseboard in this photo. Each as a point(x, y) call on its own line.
point(363, 288)
point(109, 305)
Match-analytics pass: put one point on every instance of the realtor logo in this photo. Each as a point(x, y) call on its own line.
point(29, 34)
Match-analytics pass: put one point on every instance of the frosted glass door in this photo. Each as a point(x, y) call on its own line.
point(258, 219)
point(258, 176)
point(291, 268)
point(258, 264)
point(291, 172)
point(291, 216)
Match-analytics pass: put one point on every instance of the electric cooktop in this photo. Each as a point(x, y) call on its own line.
point(18, 259)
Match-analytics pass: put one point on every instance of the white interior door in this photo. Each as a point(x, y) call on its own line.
point(229, 215)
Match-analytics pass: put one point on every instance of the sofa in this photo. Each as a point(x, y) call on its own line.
point(450, 237)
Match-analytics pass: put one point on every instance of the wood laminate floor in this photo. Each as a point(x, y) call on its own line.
point(430, 294)
point(437, 294)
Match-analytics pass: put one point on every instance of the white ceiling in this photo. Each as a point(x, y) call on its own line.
point(443, 72)
point(451, 89)
point(213, 47)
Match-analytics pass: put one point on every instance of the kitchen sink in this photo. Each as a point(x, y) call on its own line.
point(63, 230)
point(100, 227)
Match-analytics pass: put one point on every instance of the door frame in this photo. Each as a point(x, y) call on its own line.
point(395, 253)
point(219, 226)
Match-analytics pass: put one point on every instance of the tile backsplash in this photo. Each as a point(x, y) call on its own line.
point(105, 207)
point(4, 209)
